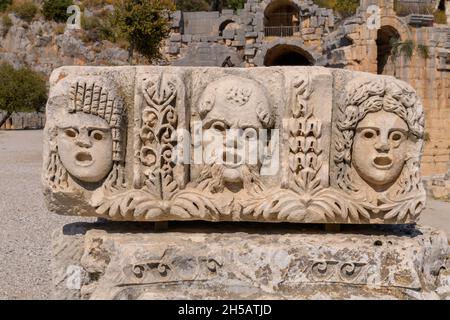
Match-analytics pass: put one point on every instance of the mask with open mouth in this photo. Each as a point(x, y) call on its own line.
point(85, 146)
point(380, 149)
point(233, 110)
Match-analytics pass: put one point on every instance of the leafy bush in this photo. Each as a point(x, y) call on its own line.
point(345, 8)
point(234, 4)
point(56, 10)
point(143, 23)
point(192, 5)
point(21, 90)
point(6, 23)
point(329, 4)
point(25, 10)
point(440, 17)
point(97, 29)
point(4, 4)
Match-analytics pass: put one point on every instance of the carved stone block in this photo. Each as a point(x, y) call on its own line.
point(296, 144)
point(198, 261)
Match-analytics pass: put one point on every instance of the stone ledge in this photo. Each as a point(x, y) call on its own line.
point(249, 261)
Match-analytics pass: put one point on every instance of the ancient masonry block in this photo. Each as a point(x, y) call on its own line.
point(296, 144)
point(107, 262)
point(186, 38)
point(228, 34)
point(176, 37)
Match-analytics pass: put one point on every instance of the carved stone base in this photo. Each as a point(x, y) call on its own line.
point(248, 261)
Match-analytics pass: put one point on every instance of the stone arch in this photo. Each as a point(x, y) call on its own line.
point(282, 46)
point(225, 23)
point(281, 18)
point(265, 3)
point(273, 10)
point(398, 24)
point(384, 46)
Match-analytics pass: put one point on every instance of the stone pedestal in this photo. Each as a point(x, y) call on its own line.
point(194, 260)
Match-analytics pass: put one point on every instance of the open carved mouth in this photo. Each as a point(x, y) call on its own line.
point(383, 163)
point(83, 159)
point(231, 159)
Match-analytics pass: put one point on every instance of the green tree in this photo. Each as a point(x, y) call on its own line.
point(192, 5)
point(234, 4)
point(347, 7)
point(56, 10)
point(4, 4)
point(144, 23)
point(21, 90)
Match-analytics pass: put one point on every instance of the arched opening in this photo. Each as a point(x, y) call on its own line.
point(281, 19)
point(227, 25)
point(287, 55)
point(441, 5)
point(386, 36)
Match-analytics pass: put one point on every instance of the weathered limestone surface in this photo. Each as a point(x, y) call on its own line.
point(297, 144)
point(229, 261)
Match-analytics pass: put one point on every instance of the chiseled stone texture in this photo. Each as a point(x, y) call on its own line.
point(228, 261)
point(296, 144)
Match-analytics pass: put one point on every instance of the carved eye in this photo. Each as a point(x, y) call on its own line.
point(219, 126)
point(97, 135)
point(368, 134)
point(71, 133)
point(396, 136)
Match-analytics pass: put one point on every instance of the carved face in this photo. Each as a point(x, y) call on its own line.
point(85, 146)
point(233, 110)
point(380, 149)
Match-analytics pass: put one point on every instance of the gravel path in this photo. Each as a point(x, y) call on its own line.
point(26, 226)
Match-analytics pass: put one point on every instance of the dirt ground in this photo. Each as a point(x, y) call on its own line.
point(25, 231)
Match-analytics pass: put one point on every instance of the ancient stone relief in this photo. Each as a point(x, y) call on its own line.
point(379, 141)
point(200, 144)
point(86, 140)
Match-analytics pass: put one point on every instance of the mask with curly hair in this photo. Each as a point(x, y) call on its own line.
point(380, 137)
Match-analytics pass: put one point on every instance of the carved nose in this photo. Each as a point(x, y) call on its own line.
point(83, 141)
point(382, 147)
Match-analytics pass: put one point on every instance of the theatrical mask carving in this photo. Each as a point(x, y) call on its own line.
point(380, 149)
point(380, 139)
point(86, 139)
point(85, 146)
point(233, 110)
